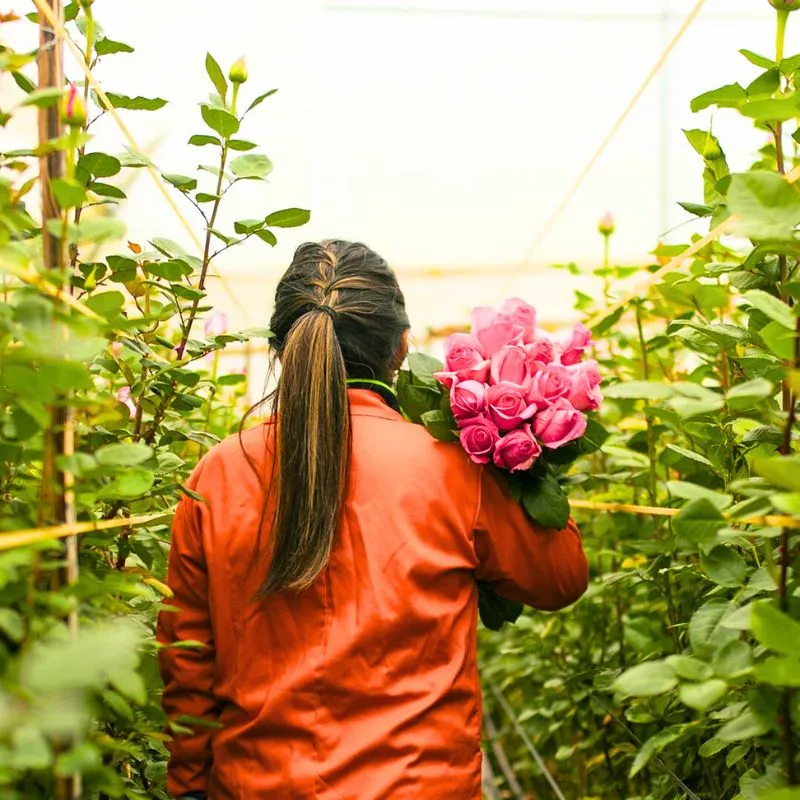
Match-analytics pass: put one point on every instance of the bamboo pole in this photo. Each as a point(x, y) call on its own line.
point(62, 435)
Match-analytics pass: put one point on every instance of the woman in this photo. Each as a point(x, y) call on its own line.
point(330, 571)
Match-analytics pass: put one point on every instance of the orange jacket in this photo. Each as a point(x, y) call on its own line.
point(365, 686)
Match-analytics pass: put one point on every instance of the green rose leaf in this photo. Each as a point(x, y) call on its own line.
point(646, 680)
point(219, 120)
point(217, 78)
point(135, 103)
point(545, 502)
point(252, 166)
point(288, 218)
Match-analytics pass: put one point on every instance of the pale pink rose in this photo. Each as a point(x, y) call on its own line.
point(507, 406)
point(216, 324)
point(124, 397)
point(522, 314)
point(517, 450)
point(116, 348)
point(493, 330)
point(462, 351)
point(572, 350)
point(510, 365)
point(468, 399)
point(559, 424)
point(549, 384)
point(585, 392)
point(478, 438)
point(540, 351)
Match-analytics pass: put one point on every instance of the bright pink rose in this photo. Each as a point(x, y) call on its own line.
point(507, 407)
point(585, 393)
point(572, 350)
point(540, 352)
point(478, 438)
point(493, 330)
point(549, 384)
point(510, 365)
point(468, 399)
point(522, 314)
point(517, 450)
point(464, 361)
point(559, 424)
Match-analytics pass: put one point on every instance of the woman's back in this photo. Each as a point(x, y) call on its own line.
point(365, 685)
point(330, 573)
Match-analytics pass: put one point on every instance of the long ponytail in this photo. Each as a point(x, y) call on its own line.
point(339, 314)
point(313, 453)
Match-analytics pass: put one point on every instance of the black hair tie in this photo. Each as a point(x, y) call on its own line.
point(331, 312)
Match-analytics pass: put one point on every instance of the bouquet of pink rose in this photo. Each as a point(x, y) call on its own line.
point(517, 399)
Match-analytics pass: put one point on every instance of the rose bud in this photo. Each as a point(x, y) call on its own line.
point(238, 73)
point(73, 111)
point(606, 224)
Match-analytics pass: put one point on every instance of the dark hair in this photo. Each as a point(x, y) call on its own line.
point(339, 313)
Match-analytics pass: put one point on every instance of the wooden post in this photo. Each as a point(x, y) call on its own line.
point(57, 486)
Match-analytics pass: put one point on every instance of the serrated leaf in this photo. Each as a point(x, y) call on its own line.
point(724, 566)
point(772, 307)
point(135, 103)
point(759, 61)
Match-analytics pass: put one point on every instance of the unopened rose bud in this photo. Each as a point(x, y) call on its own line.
point(606, 224)
point(73, 111)
point(216, 324)
point(785, 5)
point(238, 73)
point(124, 397)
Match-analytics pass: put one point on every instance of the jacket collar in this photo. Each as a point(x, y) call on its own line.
point(366, 403)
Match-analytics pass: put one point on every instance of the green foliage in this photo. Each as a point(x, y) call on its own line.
point(139, 385)
point(676, 676)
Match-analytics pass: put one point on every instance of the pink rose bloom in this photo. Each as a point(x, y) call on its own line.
point(517, 450)
point(478, 438)
point(572, 350)
point(216, 324)
point(559, 424)
point(585, 392)
point(522, 314)
point(124, 397)
point(549, 384)
point(510, 365)
point(464, 360)
point(540, 352)
point(493, 330)
point(507, 406)
point(467, 399)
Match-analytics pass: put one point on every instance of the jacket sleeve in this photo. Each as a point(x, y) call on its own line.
point(539, 567)
point(188, 673)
